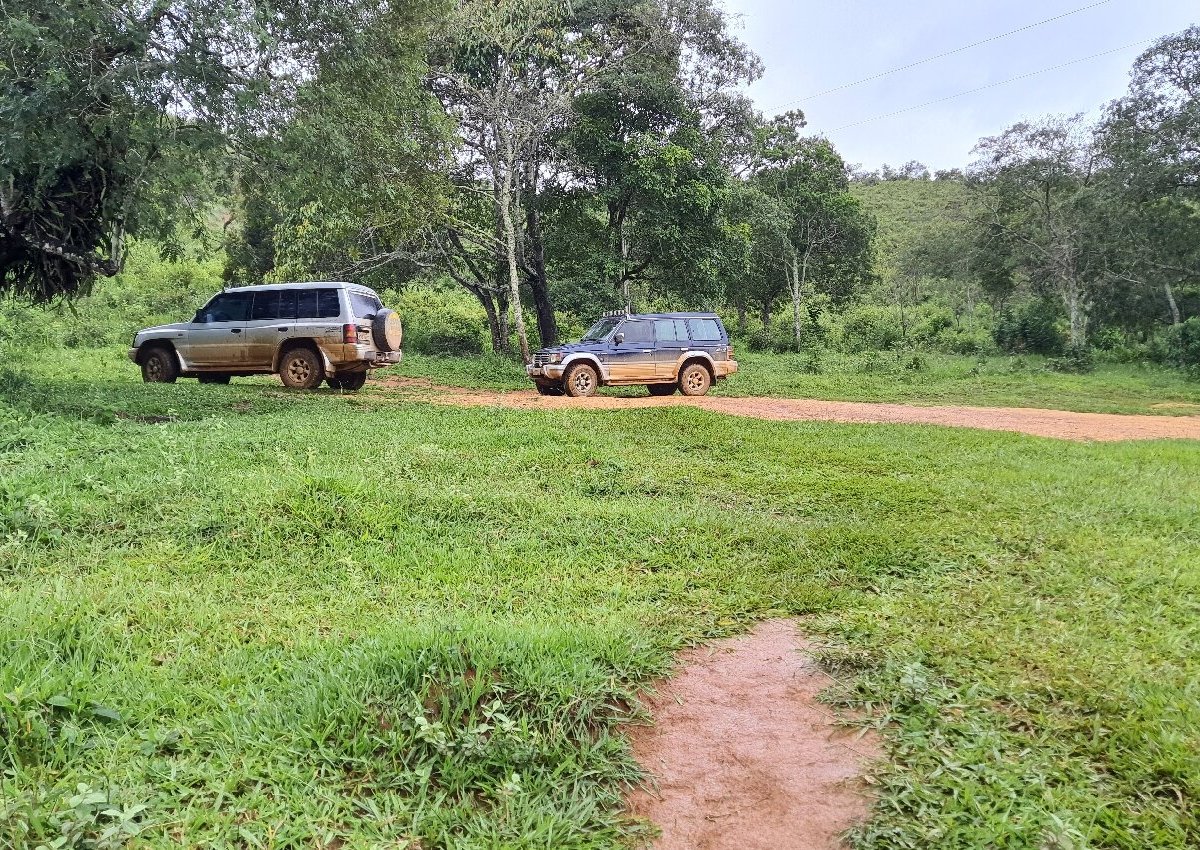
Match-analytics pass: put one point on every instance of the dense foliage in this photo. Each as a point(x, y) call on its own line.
point(555, 159)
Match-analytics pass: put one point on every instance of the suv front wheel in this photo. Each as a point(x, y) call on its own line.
point(300, 369)
point(581, 381)
point(159, 365)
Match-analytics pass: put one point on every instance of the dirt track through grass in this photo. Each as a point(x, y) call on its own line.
point(1059, 424)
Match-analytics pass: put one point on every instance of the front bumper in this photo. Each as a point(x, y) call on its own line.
point(133, 354)
point(548, 372)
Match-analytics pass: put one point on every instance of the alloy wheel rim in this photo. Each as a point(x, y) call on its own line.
point(299, 370)
point(695, 380)
point(154, 368)
point(583, 382)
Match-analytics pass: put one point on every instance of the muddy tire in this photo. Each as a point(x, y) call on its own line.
point(159, 365)
point(661, 389)
point(695, 380)
point(348, 381)
point(213, 379)
point(301, 369)
point(548, 389)
point(581, 381)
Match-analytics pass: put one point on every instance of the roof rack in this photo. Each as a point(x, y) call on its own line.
point(613, 314)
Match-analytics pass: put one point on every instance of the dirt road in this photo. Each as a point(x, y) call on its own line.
point(1060, 424)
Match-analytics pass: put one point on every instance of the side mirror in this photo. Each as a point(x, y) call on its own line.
point(619, 338)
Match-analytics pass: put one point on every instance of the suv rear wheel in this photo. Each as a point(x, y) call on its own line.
point(300, 369)
point(582, 381)
point(694, 380)
point(159, 365)
point(349, 381)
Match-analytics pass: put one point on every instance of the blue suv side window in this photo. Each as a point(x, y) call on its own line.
point(670, 330)
point(640, 333)
point(705, 330)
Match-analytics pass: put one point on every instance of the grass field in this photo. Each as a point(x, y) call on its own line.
point(898, 377)
point(233, 616)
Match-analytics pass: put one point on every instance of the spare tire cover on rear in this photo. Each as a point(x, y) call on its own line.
point(387, 331)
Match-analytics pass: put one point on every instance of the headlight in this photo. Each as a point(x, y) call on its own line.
point(556, 358)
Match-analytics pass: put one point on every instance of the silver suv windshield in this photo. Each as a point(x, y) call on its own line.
point(601, 329)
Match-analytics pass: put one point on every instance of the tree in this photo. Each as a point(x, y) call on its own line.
point(645, 175)
point(1150, 143)
point(114, 110)
point(357, 167)
point(508, 72)
point(1039, 194)
point(827, 234)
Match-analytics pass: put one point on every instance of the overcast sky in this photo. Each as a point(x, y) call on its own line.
point(809, 47)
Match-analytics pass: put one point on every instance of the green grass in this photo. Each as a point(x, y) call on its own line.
point(895, 377)
point(241, 617)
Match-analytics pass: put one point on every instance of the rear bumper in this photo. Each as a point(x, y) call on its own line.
point(725, 367)
point(372, 358)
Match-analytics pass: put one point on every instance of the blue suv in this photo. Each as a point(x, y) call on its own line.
point(688, 352)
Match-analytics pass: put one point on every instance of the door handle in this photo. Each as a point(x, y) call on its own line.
point(235, 330)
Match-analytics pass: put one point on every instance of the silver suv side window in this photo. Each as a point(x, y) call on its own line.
point(227, 307)
point(266, 305)
point(365, 306)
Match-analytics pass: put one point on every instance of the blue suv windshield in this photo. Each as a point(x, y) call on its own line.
point(600, 330)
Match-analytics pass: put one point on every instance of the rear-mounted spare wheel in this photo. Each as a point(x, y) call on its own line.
point(387, 331)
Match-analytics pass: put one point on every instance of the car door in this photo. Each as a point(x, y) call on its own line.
point(272, 317)
point(632, 359)
point(670, 343)
point(217, 339)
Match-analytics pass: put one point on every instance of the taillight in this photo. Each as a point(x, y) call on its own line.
point(350, 334)
point(730, 351)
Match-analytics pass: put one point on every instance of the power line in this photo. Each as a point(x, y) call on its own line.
point(940, 55)
point(990, 85)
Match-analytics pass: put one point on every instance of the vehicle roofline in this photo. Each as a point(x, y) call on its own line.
point(671, 316)
point(336, 284)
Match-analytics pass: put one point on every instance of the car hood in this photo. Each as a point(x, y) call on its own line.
point(177, 326)
point(571, 348)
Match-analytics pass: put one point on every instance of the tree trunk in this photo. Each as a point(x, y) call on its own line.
point(1073, 300)
point(514, 274)
point(493, 319)
point(798, 276)
point(1176, 316)
point(547, 323)
point(741, 319)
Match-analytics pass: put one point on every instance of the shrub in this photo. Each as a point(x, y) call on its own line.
point(930, 326)
point(1185, 342)
point(438, 322)
point(1076, 360)
point(1032, 327)
point(868, 328)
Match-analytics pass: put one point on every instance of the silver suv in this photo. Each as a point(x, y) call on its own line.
point(305, 332)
